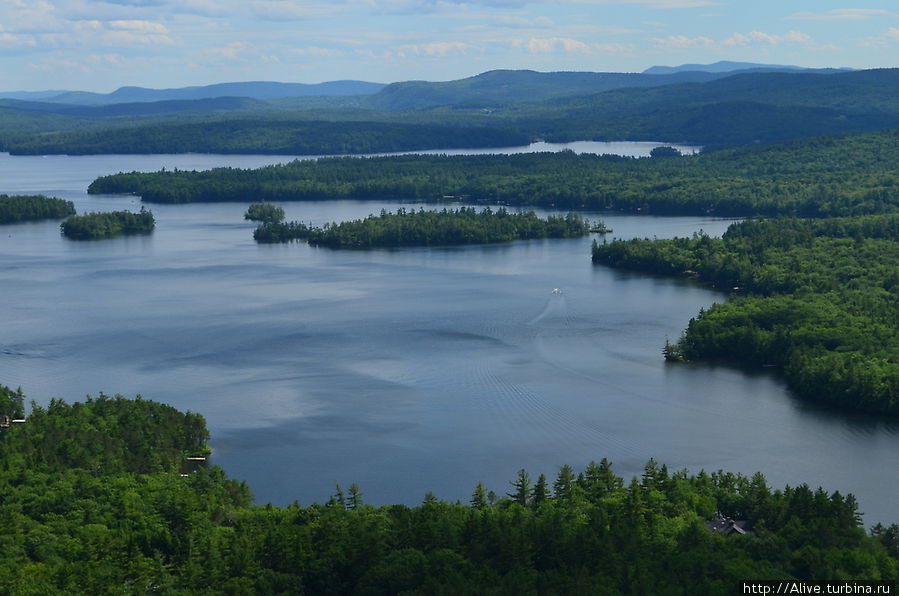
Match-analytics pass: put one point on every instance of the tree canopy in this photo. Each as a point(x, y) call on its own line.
point(96, 500)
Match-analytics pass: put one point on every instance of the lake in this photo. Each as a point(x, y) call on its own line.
point(405, 371)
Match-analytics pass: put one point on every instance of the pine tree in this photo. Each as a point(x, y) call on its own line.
point(522, 486)
point(479, 497)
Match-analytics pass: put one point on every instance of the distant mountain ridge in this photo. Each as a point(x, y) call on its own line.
point(261, 90)
point(491, 86)
point(726, 66)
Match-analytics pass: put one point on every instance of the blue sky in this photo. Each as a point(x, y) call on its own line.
point(102, 45)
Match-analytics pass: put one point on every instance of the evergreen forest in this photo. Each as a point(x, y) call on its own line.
point(15, 209)
point(98, 497)
point(96, 226)
point(809, 178)
point(465, 225)
point(264, 212)
point(818, 299)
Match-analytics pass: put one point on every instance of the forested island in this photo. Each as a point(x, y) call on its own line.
point(264, 212)
point(811, 177)
point(95, 495)
point(465, 225)
point(14, 209)
point(96, 226)
point(817, 298)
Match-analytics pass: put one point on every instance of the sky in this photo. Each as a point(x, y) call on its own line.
point(102, 45)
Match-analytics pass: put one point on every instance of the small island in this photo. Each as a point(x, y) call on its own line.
point(447, 227)
point(264, 212)
point(15, 209)
point(96, 226)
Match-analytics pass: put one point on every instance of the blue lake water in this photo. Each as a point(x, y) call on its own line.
point(405, 371)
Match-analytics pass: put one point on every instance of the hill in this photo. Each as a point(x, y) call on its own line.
point(710, 109)
point(512, 86)
point(725, 66)
point(249, 89)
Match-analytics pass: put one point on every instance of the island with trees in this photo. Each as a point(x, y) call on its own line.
point(466, 225)
point(19, 208)
point(818, 299)
point(96, 226)
point(95, 498)
point(264, 212)
point(808, 177)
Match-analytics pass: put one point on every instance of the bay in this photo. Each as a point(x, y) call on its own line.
point(405, 371)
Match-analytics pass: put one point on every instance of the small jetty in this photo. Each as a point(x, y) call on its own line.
point(6, 422)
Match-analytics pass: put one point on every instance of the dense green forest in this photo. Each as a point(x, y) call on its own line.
point(96, 226)
point(267, 136)
point(493, 109)
point(12, 403)
point(465, 225)
point(18, 208)
point(817, 177)
point(817, 298)
point(95, 500)
point(264, 212)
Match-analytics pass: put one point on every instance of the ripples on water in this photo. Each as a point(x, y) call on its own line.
point(405, 371)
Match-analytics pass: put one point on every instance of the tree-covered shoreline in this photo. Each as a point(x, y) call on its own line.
point(447, 227)
point(19, 208)
point(95, 500)
point(817, 298)
point(808, 177)
point(97, 226)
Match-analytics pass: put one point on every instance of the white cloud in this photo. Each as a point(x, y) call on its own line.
point(16, 42)
point(440, 48)
point(682, 42)
point(761, 38)
point(753, 38)
point(106, 59)
point(139, 26)
point(883, 41)
point(566, 44)
point(131, 38)
point(53, 65)
point(841, 14)
point(662, 4)
point(518, 22)
point(231, 52)
point(289, 10)
point(314, 51)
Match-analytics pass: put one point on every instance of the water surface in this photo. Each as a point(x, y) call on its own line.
point(405, 371)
